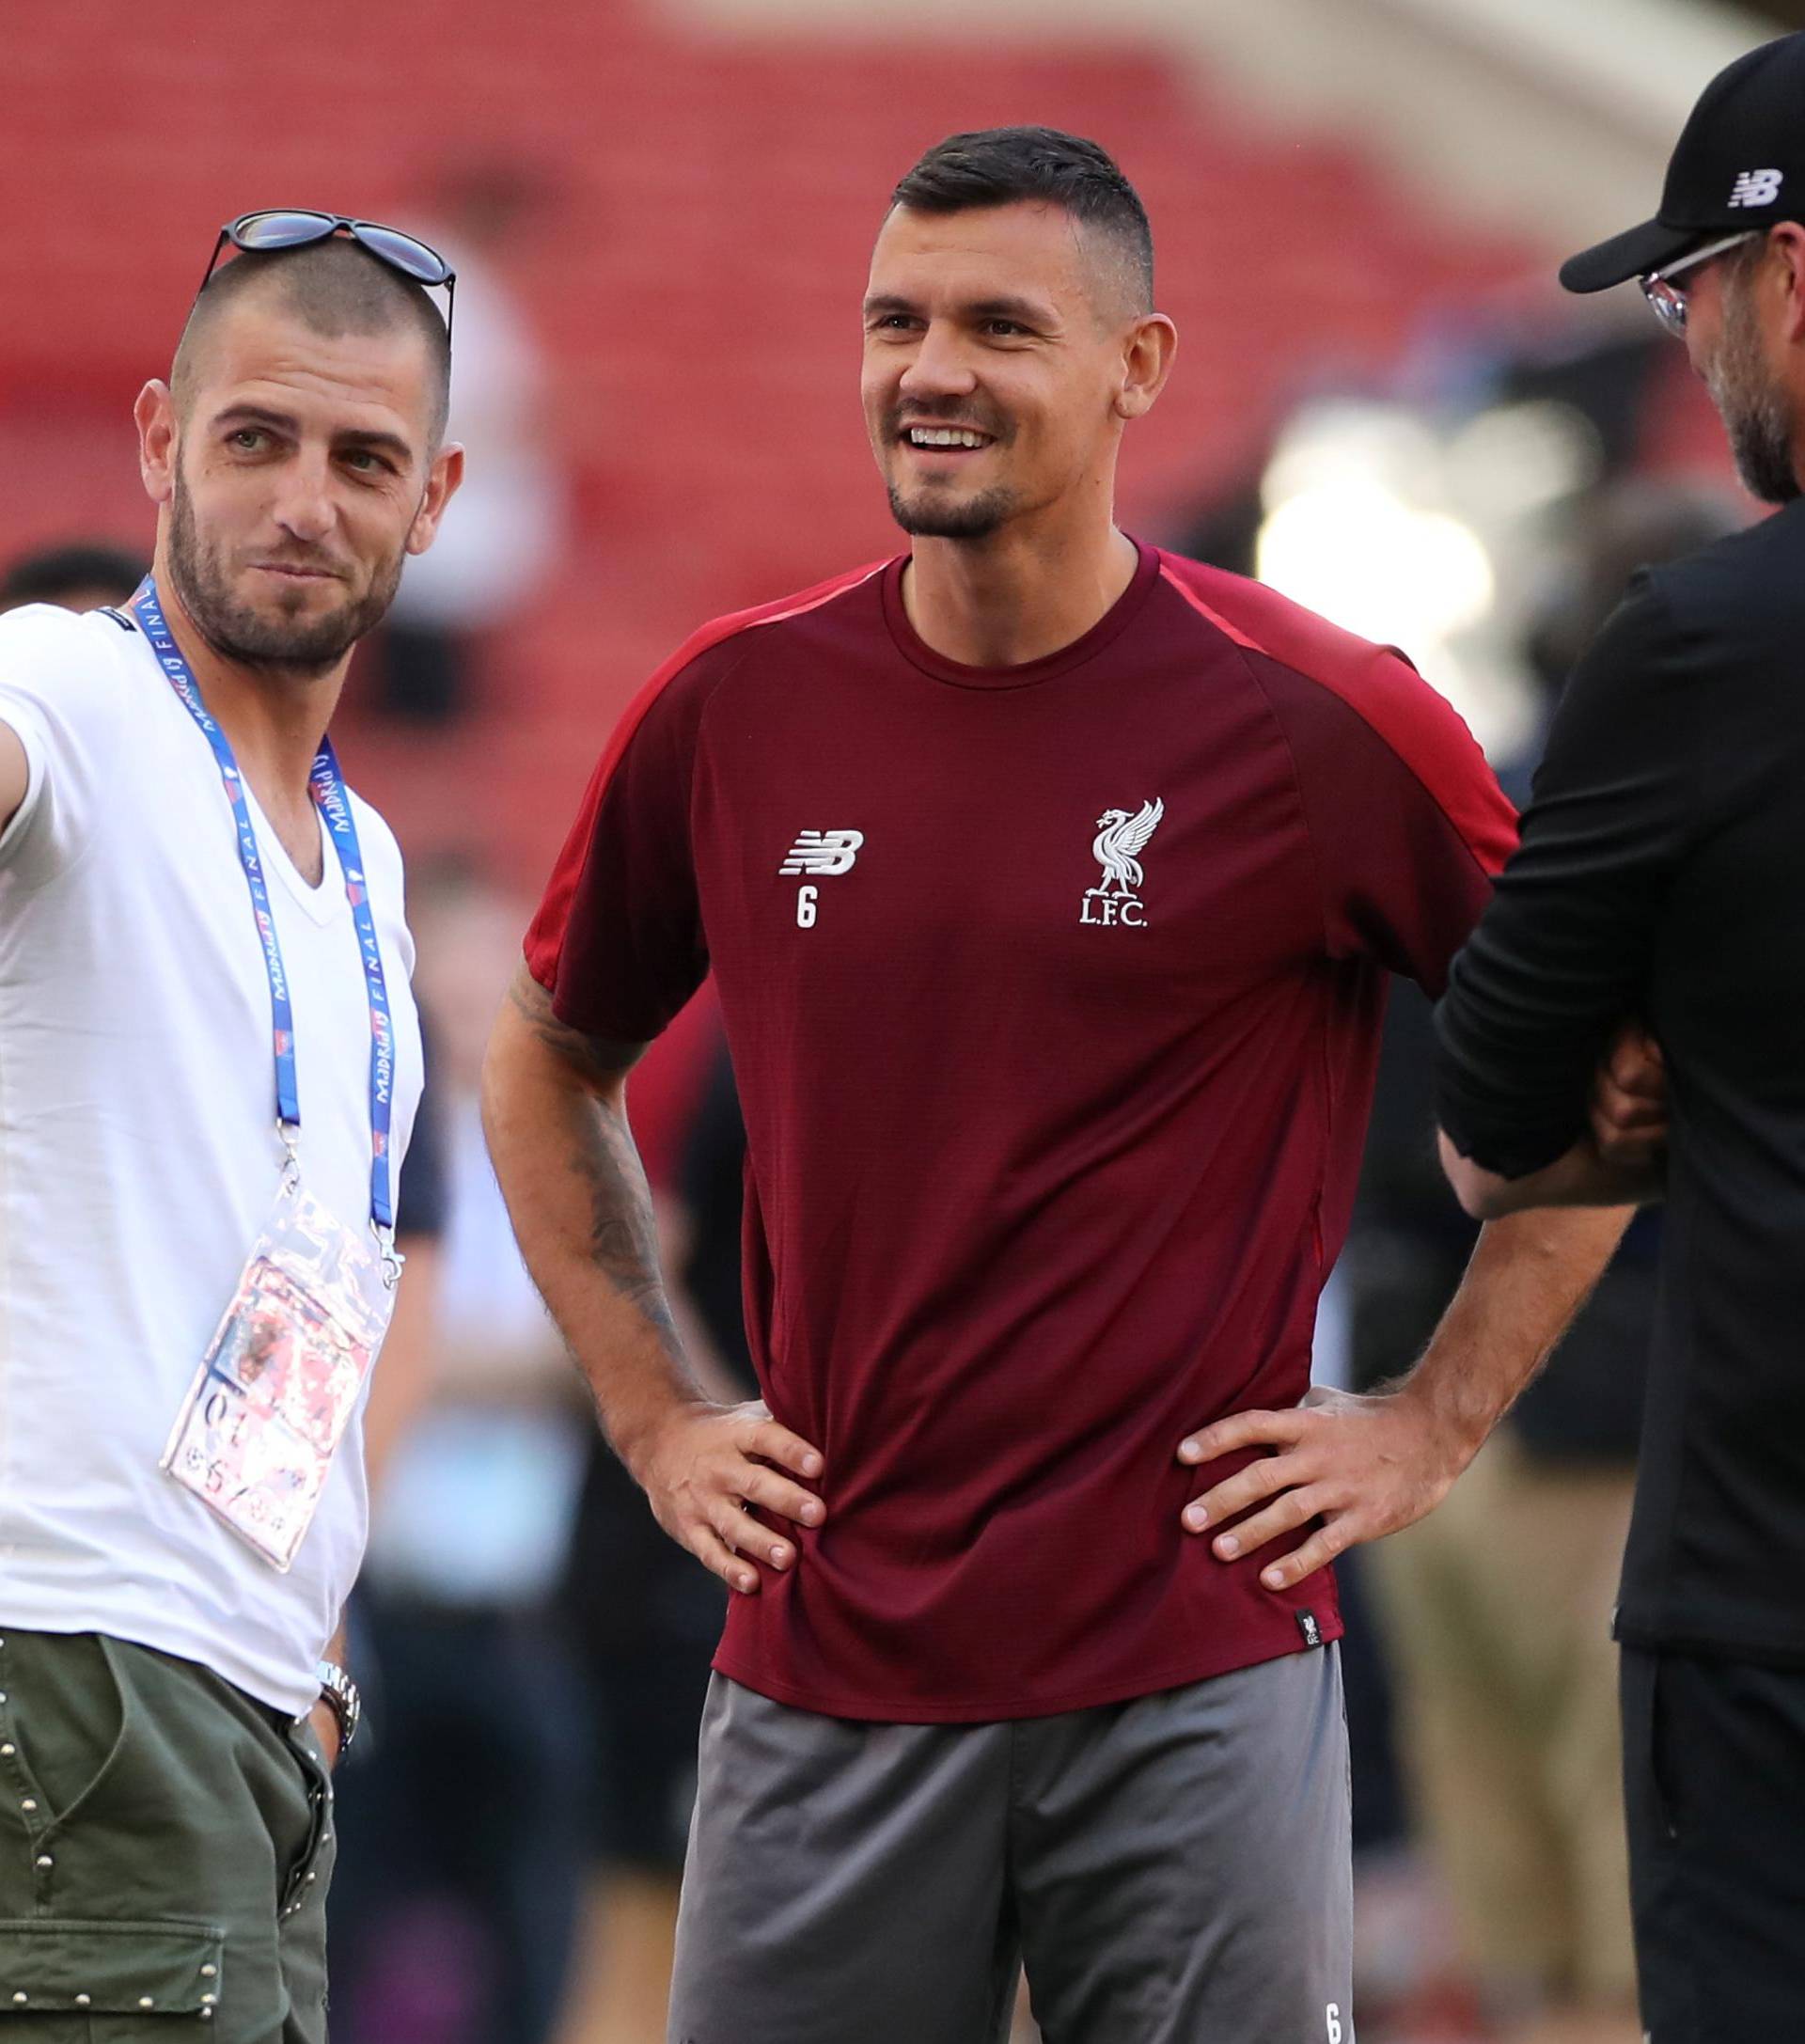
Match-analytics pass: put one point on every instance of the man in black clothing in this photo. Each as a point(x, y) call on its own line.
point(1660, 884)
point(1660, 878)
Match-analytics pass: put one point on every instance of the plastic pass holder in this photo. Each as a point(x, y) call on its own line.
point(275, 1391)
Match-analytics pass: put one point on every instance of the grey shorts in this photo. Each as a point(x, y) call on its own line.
point(1172, 1870)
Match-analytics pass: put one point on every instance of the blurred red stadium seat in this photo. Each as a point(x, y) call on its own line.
point(697, 288)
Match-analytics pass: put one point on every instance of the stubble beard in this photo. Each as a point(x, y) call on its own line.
point(1751, 404)
point(928, 517)
point(935, 510)
point(294, 649)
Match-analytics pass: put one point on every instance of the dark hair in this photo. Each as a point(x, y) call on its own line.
point(1002, 167)
point(335, 288)
point(52, 575)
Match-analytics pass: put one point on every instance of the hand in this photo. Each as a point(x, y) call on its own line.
point(705, 1469)
point(324, 1721)
point(1628, 1110)
point(1365, 1467)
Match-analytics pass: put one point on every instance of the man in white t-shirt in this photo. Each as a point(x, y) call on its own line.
point(208, 1069)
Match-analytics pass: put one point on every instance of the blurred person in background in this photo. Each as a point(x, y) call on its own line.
point(509, 533)
point(1050, 885)
point(645, 1614)
point(453, 1915)
point(213, 1067)
point(1496, 1607)
point(81, 574)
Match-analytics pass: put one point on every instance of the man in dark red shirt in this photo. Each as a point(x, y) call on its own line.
point(1050, 884)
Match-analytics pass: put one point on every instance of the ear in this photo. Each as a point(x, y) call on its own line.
point(441, 482)
point(155, 413)
point(1148, 347)
point(1787, 241)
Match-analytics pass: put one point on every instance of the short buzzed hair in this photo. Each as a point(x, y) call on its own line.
point(1004, 166)
point(335, 288)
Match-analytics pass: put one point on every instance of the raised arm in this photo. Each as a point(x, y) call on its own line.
point(15, 774)
point(68, 703)
point(554, 1112)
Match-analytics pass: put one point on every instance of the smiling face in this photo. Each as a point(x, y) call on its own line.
point(1003, 354)
point(298, 477)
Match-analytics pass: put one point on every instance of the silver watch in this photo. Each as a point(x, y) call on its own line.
point(339, 1693)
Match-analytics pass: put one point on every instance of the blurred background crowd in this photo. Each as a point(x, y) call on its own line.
point(660, 211)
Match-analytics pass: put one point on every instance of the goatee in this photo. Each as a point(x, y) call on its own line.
point(976, 518)
point(300, 649)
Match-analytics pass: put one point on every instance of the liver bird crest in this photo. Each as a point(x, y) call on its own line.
point(1120, 841)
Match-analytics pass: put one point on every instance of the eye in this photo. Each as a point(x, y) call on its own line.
point(1007, 328)
point(366, 461)
point(248, 439)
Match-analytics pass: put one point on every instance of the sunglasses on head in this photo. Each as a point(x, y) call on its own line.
point(295, 226)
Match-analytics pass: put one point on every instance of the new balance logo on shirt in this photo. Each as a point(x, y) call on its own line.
point(1755, 188)
point(823, 850)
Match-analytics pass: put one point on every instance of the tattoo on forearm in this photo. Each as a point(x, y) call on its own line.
point(623, 1237)
point(623, 1232)
point(597, 1059)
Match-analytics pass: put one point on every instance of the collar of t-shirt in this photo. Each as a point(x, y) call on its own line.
point(1115, 621)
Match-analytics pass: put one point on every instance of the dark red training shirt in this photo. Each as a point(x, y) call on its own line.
point(1054, 996)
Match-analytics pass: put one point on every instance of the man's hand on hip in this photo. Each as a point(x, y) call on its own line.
point(324, 1721)
point(1367, 1467)
point(1628, 1111)
point(707, 1467)
point(1364, 1466)
point(1619, 1160)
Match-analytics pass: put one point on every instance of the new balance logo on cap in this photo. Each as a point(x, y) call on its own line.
point(823, 850)
point(1755, 188)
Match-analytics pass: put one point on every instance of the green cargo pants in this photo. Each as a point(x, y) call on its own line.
point(166, 1843)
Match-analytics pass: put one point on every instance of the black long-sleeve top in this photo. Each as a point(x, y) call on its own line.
point(1662, 874)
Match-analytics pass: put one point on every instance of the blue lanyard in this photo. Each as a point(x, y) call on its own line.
point(328, 787)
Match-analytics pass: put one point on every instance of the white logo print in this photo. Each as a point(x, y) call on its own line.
point(823, 850)
point(1755, 188)
point(1120, 841)
point(818, 852)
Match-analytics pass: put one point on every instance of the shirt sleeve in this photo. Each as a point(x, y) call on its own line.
point(618, 941)
point(1406, 823)
point(1561, 956)
point(59, 693)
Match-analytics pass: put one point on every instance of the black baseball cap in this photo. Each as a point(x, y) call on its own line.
point(1739, 163)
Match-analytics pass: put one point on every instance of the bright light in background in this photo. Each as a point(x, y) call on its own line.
point(1516, 460)
point(1393, 529)
point(1375, 565)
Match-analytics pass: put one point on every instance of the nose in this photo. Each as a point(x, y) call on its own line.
point(304, 505)
point(940, 367)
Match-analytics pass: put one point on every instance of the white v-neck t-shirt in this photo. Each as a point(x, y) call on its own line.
point(140, 1157)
